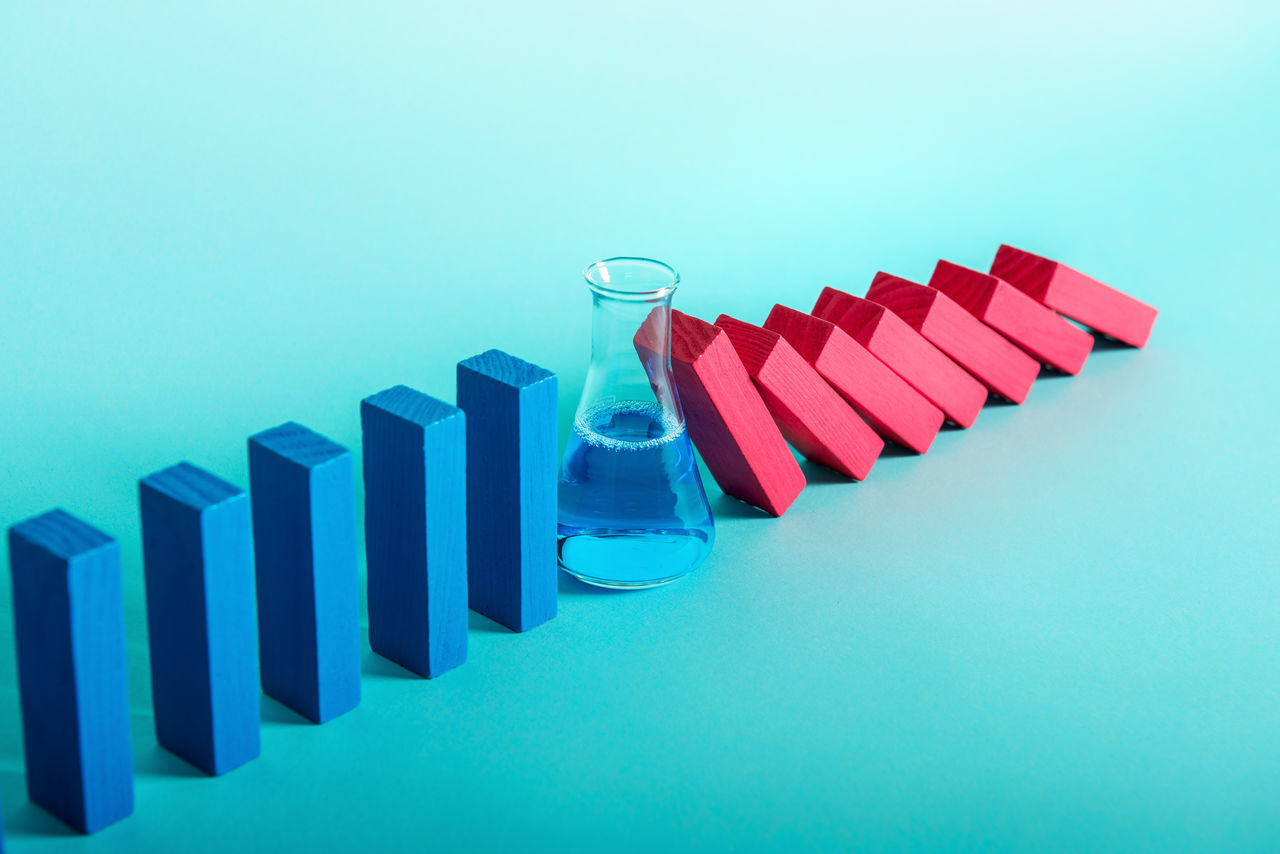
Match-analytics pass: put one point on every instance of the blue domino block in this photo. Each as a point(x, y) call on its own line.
point(304, 544)
point(511, 488)
point(415, 529)
point(198, 556)
point(68, 611)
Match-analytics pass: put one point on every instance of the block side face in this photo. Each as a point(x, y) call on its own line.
point(101, 686)
point(61, 534)
point(336, 587)
point(173, 563)
point(752, 343)
point(284, 557)
point(192, 486)
point(410, 405)
point(505, 369)
point(928, 370)
point(395, 536)
point(46, 678)
point(1100, 306)
point(1029, 273)
point(446, 540)
point(231, 617)
point(1044, 335)
point(298, 444)
point(537, 502)
point(979, 349)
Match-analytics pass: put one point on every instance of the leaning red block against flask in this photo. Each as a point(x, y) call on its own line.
point(929, 371)
point(1081, 298)
point(1037, 330)
point(728, 421)
point(986, 354)
point(808, 411)
point(895, 409)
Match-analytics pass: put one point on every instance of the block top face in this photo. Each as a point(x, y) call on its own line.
point(61, 534)
point(858, 317)
point(298, 444)
point(909, 300)
point(806, 333)
point(506, 369)
point(753, 343)
point(971, 288)
point(411, 405)
point(191, 485)
point(1029, 272)
point(690, 336)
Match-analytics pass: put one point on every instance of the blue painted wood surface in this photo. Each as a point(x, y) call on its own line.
point(198, 557)
point(415, 529)
point(72, 673)
point(511, 488)
point(304, 542)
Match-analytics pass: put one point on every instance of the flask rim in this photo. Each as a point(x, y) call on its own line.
point(641, 279)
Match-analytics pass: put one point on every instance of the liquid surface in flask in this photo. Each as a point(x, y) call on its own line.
point(632, 509)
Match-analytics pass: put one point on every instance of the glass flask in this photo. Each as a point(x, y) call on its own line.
point(633, 512)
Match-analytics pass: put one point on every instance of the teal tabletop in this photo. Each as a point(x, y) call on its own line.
point(1057, 629)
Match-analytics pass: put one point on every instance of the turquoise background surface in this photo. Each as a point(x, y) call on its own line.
point(1057, 630)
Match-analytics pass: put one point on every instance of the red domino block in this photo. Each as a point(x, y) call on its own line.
point(944, 383)
point(896, 410)
point(976, 347)
point(808, 411)
point(1081, 298)
point(727, 419)
point(1043, 334)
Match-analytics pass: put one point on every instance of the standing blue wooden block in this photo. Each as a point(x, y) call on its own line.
point(68, 614)
point(304, 544)
point(511, 488)
point(204, 657)
point(415, 529)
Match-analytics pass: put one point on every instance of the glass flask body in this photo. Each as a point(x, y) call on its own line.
point(632, 510)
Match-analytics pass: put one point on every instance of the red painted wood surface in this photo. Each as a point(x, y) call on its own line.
point(929, 371)
point(1038, 330)
point(976, 347)
point(726, 418)
point(1099, 307)
point(811, 415)
point(895, 409)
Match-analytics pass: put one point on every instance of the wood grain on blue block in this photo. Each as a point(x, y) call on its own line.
point(198, 557)
point(511, 488)
point(415, 529)
point(304, 543)
point(72, 675)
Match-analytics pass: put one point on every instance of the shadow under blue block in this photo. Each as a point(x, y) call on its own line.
point(72, 670)
point(415, 529)
point(200, 613)
point(304, 540)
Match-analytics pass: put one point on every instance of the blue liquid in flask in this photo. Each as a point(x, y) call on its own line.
point(632, 509)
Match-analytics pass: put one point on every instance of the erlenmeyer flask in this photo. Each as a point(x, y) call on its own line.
point(633, 512)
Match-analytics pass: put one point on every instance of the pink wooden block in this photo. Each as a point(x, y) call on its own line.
point(1081, 298)
point(976, 347)
point(727, 419)
point(895, 409)
point(1040, 332)
point(946, 385)
point(811, 415)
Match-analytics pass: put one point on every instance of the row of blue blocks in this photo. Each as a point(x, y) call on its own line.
point(445, 530)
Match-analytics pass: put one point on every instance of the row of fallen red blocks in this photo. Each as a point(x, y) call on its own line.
point(854, 372)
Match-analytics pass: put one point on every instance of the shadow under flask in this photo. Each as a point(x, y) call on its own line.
point(632, 510)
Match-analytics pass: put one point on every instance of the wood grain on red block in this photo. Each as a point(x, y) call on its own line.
point(1081, 298)
point(811, 415)
point(1038, 330)
point(929, 371)
point(896, 410)
point(727, 419)
point(976, 347)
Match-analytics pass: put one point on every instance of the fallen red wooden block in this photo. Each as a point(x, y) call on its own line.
point(944, 383)
point(976, 347)
point(810, 414)
point(727, 419)
point(1081, 298)
point(896, 410)
point(1044, 335)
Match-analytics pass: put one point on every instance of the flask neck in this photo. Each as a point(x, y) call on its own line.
point(630, 353)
